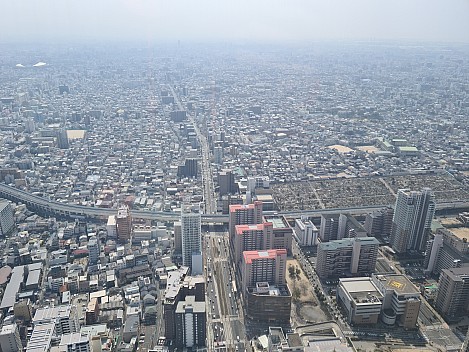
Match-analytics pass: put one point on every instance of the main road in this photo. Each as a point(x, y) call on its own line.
point(206, 166)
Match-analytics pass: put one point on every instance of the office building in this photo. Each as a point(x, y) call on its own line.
point(264, 266)
point(123, 224)
point(379, 222)
point(190, 168)
point(191, 237)
point(10, 340)
point(226, 182)
point(111, 227)
point(177, 238)
point(268, 303)
point(64, 317)
point(305, 232)
point(7, 221)
point(190, 323)
point(178, 286)
point(412, 220)
point(93, 250)
point(62, 139)
point(350, 256)
point(453, 293)
point(361, 300)
point(75, 342)
point(401, 300)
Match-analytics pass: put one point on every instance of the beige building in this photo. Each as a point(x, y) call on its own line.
point(453, 293)
point(361, 299)
point(401, 299)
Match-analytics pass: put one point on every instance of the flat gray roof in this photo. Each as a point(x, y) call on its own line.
point(13, 287)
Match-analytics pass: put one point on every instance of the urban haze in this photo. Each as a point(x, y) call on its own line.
point(234, 176)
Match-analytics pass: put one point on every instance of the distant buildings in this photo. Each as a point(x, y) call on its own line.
point(412, 219)
point(191, 239)
point(350, 256)
point(453, 293)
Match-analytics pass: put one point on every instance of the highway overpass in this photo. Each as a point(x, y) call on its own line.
point(54, 208)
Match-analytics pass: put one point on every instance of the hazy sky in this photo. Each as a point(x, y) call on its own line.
point(234, 20)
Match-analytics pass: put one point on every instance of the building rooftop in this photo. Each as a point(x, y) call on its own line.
point(190, 303)
point(278, 222)
point(52, 313)
point(398, 282)
point(41, 338)
point(256, 227)
point(249, 256)
point(361, 290)
point(460, 232)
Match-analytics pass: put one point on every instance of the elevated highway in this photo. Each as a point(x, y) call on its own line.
point(53, 208)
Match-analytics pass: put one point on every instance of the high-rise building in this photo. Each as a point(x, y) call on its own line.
point(178, 286)
point(264, 266)
point(191, 237)
point(7, 220)
point(412, 220)
point(190, 323)
point(123, 224)
point(62, 139)
point(306, 233)
point(248, 214)
point(251, 238)
point(350, 256)
point(329, 227)
point(10, 340)
point(379, 222)
point(240, 214)
point(177, 238)
point(453, 293)
point(445, 251)
point(93, 250)
point(111, 226)
point(226, 182)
